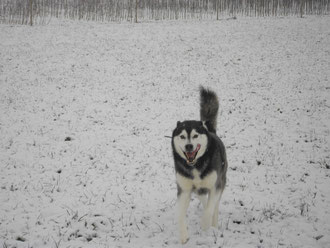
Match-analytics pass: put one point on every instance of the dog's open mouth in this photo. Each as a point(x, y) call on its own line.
point(192, 155)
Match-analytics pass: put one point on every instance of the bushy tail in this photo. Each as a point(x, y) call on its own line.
point(209, 106)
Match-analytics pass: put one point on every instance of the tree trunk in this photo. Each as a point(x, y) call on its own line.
point(136, 11)
point(302, 5)
point(31, 11)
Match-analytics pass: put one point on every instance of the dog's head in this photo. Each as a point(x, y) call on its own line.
point(190, 140)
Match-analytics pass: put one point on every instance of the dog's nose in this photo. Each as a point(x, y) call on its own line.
point(189, 147)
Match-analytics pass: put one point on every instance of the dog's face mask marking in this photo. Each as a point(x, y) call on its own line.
point(190, 143)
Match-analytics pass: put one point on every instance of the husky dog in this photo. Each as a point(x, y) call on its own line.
point(200, 163)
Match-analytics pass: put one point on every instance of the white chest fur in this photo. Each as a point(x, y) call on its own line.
point(187, 184)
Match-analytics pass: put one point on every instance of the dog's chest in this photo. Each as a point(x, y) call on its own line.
point(187, 184)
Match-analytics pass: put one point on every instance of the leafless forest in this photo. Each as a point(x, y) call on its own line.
point(41, 11)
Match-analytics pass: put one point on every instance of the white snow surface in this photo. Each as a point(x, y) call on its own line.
point(85, 108)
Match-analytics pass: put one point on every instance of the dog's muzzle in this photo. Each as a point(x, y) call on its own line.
point(192, 155)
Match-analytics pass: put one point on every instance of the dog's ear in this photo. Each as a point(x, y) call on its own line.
point(178, 123)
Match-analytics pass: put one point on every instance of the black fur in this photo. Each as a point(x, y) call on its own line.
point(214, 158)
point(215, 151)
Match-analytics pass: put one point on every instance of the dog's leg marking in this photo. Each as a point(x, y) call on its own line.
point(183, 204)
point(214, 197)
point(216, 212)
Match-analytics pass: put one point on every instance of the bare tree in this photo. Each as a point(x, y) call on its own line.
point(31, 11)
point(136, 11)
point(35, 11)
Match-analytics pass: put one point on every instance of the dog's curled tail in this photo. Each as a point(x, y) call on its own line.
point(209, 106)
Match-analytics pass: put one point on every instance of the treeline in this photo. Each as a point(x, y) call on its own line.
point(40, 11)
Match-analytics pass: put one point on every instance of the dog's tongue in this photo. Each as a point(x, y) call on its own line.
point(191, 155)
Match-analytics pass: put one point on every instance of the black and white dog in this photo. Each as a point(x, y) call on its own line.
point(200, 163)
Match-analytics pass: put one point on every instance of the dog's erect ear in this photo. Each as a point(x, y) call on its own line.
point(178, 123)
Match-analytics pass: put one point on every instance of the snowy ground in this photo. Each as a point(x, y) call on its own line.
point(84, 108)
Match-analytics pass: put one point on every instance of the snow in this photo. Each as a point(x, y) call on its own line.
point(85, 108)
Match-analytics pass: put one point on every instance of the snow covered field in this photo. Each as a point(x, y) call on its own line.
point(84, 108)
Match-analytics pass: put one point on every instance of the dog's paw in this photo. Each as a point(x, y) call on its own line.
point(206, 221)
point(184, 237)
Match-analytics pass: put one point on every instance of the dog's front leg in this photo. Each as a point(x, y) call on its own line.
point(214, 197)
point(183, 203)
point(216, 211)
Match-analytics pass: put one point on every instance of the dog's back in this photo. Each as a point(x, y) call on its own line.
point(209, 107)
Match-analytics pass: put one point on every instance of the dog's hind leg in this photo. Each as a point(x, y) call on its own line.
point(208, 215)
point(183, 204)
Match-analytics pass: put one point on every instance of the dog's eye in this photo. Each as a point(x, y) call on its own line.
point(195, 136)
point(182, 137)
